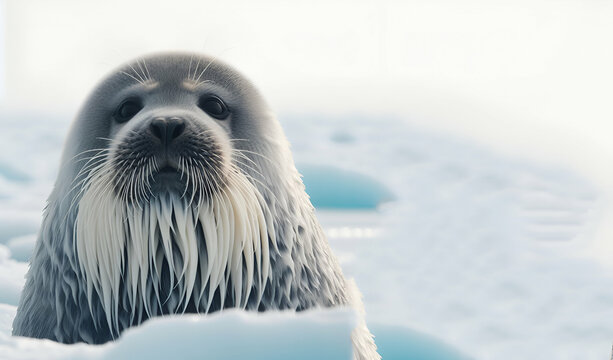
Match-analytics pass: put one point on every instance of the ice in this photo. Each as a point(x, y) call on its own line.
point(331, 187)
point(400, 343)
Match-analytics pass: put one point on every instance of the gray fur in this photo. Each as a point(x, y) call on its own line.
point(54, 303)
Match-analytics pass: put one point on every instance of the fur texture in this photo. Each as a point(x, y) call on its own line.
point(115, 248)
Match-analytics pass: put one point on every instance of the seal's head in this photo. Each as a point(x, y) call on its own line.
point(171, 169)
point(171, 123)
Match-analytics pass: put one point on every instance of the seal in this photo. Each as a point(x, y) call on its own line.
point(177, 193)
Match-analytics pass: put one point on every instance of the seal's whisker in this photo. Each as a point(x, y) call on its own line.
point(77, 184)
point(147, 70)
point(252, 163)
point(142, 71)
point(203, 70)
point(207, 81)
point(133, 189)
point(201, 182)
point(256, 153)
point(86, 167)
point(88, 151)
point(213, 59)
point(195, 71)
point(192, 171)
point(124, 180)
point(142, 81)
point(130, 75)
point(218, 176)
point(254, 179)
point(151, 166)
point(183, 165)
point(104, 138)
point(83, 183)
point(205, 132)
point(81, 175)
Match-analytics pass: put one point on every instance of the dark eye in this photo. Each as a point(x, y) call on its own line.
point(127, 110)
point(213, 106)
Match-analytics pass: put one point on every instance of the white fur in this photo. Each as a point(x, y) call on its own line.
point(235, 227)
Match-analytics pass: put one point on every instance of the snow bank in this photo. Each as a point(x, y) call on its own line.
point(320, 334)
point(315, 334)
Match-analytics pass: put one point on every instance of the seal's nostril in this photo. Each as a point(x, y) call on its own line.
point(158, 128)
point(167, 129)
point(175, 128)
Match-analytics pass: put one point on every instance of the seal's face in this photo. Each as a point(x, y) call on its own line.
point(170, 216)
point(172, 134)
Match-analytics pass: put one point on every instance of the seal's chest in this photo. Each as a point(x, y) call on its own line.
point(172, 256)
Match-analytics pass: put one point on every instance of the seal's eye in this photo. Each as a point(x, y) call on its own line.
point(213, 106)
point(127, 110)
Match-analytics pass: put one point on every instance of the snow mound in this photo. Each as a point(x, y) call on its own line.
point(319, 334)
point(234, 334)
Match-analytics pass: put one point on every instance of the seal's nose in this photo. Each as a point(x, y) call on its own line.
point(167, 129)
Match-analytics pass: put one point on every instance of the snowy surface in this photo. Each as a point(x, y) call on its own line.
point(480, 250)
point(231, 335)
point(483, 252)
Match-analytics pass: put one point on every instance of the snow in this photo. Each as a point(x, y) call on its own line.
point(478, 255)
point(322, 334)
point(21, 247)
point(481, 250)
point(11, 277)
